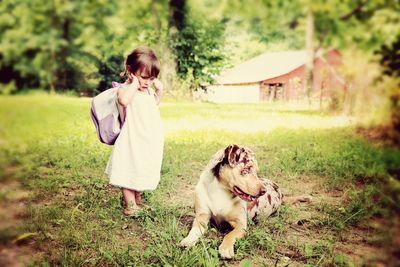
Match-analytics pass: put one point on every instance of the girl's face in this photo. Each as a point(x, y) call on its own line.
point(145, 80)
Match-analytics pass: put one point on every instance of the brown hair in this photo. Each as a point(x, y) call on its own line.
point(142, 59)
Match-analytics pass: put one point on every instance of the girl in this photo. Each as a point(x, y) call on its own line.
point(135, 162)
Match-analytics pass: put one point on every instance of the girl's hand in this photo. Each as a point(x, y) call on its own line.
point(134, 82)
point(158, 86)
point(125, 94)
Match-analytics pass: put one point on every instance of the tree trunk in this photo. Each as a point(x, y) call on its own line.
point(165, 55)
point(177, 17)
point(177, 14)
point(310, 54)
point(59, 56)
point(64, 52)
point(157, 23)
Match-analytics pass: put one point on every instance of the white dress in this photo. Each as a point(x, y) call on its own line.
point(135, 162)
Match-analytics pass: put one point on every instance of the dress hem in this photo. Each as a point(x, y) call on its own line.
point(131, 188)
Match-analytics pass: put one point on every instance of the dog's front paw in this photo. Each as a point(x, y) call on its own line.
point(188, 242)
point(226, 250)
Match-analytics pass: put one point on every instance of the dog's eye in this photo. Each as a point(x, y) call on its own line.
point(245, 171)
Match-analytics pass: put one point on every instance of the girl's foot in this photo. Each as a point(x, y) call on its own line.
point(130, 211)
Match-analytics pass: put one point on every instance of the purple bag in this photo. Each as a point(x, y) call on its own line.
point(108, 115)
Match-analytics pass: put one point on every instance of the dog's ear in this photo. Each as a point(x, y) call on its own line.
point(230, 154)
point(233, 155)
point(236, 155)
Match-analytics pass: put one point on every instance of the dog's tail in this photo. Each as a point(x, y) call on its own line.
point(296, 199)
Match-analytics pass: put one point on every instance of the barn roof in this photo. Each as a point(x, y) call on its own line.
point(263, 67)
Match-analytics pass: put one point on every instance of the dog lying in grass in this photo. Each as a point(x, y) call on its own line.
point(230, 191)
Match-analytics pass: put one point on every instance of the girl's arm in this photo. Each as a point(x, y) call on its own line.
point(159, 89)
point(125, 94)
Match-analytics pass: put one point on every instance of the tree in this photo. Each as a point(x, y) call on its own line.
point(390, 60)
point(46, 43)
point(197, 43)
point(199, 50)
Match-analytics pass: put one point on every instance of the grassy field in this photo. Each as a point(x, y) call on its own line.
point(57, 207)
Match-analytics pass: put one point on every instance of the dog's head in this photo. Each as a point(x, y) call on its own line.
point(237, 171)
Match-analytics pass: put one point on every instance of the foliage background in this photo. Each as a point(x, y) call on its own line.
point(80, 45)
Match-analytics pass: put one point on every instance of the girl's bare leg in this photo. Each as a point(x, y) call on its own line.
point(130, 201)
point(138, 197)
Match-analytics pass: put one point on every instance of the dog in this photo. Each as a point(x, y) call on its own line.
point(230, 191)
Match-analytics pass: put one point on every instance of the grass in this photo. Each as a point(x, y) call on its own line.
point(48, 144)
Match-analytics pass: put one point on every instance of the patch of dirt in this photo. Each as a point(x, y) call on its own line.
point(16, 246)
point(186, 221)
point(15, 256)
point(303, 185)
point(360, 244)
point(132, 235)
point(387, 134)
point(373, 133)
point(355, 243)
point(183, 195)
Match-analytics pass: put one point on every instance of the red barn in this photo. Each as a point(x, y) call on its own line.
point(277, 76)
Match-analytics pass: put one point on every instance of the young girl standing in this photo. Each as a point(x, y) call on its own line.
point(135, 162)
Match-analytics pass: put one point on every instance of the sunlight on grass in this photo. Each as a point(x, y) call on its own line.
point(269, 122)
point(248, 118)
